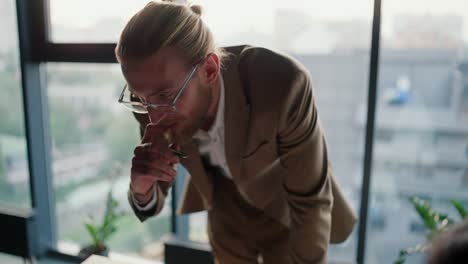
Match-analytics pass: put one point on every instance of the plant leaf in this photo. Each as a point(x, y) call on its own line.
point(460, 208)
point(100, 233)
point(402, 257)
point(94, 234)
point(425, 212)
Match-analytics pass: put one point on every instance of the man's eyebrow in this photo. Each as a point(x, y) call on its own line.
point(157, 92)
point(152, 94)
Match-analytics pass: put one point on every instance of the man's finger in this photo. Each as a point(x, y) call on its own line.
point(159, 150)
point(165, 167)
point(150, 131)
point(149, 175)
point(170, 118)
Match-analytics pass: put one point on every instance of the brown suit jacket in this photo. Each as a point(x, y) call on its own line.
point(275, 150)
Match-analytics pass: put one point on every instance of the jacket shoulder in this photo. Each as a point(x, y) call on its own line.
point(268, 74)
point(271, 63)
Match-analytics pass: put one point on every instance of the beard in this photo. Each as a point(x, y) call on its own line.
point(195, 118)
point(186, 131)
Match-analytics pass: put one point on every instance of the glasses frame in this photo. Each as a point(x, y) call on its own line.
point(129, 104)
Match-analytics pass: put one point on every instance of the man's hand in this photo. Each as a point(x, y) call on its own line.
point(152, 162)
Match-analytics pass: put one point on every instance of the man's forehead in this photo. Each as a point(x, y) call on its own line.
point(163, 60)
point(144, 65)
point(157, 71)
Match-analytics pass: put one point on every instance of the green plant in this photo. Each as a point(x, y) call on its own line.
point(433, 221)
point(100, 233)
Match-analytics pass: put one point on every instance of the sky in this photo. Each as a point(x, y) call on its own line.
point(257, 14)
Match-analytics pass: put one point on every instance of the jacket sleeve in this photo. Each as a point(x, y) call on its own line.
point(142, 215)
point(307, 180)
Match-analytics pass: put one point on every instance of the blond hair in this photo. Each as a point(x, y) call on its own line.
point(166, 24)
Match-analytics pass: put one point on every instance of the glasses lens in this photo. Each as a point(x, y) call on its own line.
point(135, 107)
point(132, 103)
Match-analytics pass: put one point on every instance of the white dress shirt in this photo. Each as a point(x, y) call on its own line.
point(211, 142)
point(211, 145)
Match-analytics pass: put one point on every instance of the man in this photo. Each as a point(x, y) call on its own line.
point(450, 246)
point(243, 122)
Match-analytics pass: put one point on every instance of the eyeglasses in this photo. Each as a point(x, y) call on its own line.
point(160, 100)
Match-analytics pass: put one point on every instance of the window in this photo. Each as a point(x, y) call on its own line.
point(384, 136)
point(416, 226)
point(423, 41)
point(465, 178)
point(90, 21)
point(14, 172)
point(93, 139)
point(464, 98)
point(4, 258)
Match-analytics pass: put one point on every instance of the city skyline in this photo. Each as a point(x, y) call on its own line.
point(70, 13)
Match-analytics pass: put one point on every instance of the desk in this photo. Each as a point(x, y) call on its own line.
point(95, 259)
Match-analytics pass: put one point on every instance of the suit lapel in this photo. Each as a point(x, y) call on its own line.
point(236, 114)
point(194, 166)
point(236, 118)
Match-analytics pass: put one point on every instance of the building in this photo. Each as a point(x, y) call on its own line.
point(420, 142)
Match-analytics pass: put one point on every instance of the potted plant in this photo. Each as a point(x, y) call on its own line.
point(434, 222)
point(101, 232)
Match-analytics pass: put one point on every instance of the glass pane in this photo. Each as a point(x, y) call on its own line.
point(197, 227)
point(333, 44)
point(93, 140)
point(10, 259)
point(14, 171)
point(103, 22)
point(421, 144)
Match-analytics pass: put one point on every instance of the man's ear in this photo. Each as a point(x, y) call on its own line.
point(210, 68)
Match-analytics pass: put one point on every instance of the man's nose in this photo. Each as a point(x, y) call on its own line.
point(164, 115)
point(156, 115)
